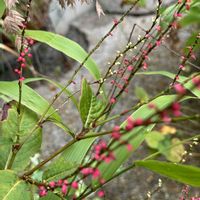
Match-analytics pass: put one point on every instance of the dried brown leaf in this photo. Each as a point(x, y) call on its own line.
point(13, 21)
point(10, 3)
point(62, 3)
point(99, 9)
point(70, 2)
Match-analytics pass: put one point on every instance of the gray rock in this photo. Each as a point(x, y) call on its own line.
point(116, 7)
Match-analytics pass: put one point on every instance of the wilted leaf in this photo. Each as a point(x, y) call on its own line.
point(99, 9)
point(175, 154)
point(153, 139)
point(165, 130)
point(13, 21)
point(11, 3)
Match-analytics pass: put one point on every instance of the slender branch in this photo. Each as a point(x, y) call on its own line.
point(28, 173)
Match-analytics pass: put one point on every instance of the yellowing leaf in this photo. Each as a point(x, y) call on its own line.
point(165, 130)
point(176, 153)
point(153, 139)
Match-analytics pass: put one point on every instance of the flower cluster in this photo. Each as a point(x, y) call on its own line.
point(23, 58)
point(63, 185)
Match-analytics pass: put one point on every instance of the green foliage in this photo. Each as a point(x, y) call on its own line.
point(50, 196)
point(163, 143)
point(192, 16)
point(14, 129)
point(167, 15)
point(2, 7)
point(72, 158)
point(11, 187)
point(182, 173)
point(141, 94)
point(153, 139)
point(30, 98)
point(66, 46)
point(90, 107)
point(56, 84)
point(59, 169)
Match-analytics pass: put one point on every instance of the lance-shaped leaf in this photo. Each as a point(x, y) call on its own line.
point(181, 79)
point(186, 174)
point(11, 187)
point(66, 46)
point(30, 98)
point(58, 170)
point(90, 107)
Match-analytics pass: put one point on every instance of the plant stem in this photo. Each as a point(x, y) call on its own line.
point(28, 173)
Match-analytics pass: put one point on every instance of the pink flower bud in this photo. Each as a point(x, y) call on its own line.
point(64, 189)
point(75, 185)
point(52, 184)
point(101, 193)
point(179, 89)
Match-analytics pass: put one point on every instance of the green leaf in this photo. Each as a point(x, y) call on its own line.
point(181, 79)
point(72, 156)
point(11, 187)
point(58, 170)
point(66, 46)
point(90, 107)
point(50, 196)
point(190, 41)
point(55, 83)
point(2, 7)
point(30, 98)
point(192, 16)
point(141, 94)
point(186, 174)
point(57, 121)
point(63, 126)
point(85, 100)
point(13, 127)
point(153, 139)
point(167, 15)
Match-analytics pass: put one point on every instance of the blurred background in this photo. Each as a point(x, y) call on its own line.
point(82, 24)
